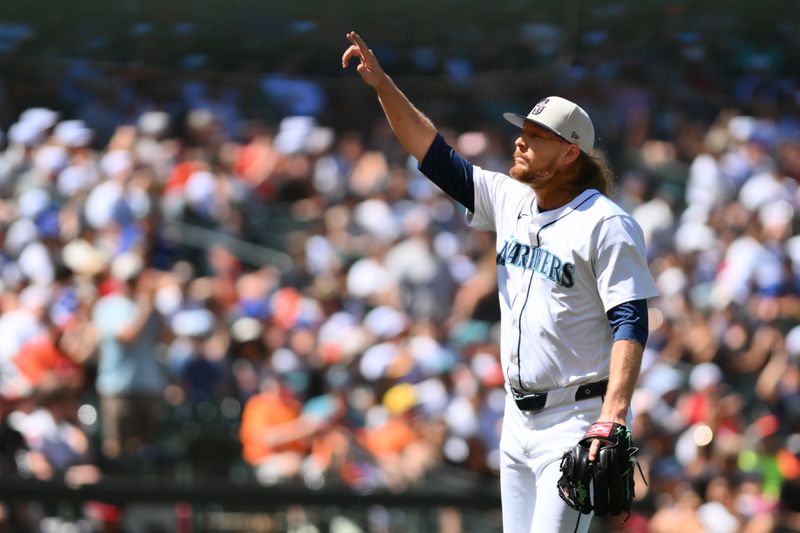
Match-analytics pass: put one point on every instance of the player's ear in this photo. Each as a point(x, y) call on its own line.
point(573, 153)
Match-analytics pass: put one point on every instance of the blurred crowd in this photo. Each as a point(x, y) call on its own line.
point(190, 288)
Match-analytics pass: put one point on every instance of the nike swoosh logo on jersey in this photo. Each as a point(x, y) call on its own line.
point(521, 215)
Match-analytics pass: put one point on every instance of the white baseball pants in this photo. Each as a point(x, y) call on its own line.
point(531, 446)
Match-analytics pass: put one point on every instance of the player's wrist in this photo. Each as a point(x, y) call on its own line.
point(616, 415)
point(382, 82)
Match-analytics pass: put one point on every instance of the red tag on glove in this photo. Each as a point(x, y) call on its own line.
point(600, 429)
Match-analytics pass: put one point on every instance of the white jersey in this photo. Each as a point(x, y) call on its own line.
point(558, 273)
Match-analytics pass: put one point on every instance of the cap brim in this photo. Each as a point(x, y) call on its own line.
point(519, 121)
point(515, 119)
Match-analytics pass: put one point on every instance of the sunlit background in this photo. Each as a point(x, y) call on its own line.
point(230, 302)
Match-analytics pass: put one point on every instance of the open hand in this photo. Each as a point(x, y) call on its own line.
point(369, 68)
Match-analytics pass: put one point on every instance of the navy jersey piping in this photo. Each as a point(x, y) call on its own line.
point(528, 292)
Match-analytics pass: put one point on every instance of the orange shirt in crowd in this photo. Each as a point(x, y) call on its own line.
point(262, 412)
point(389, 439)
point(180, 175)
point(39, 358)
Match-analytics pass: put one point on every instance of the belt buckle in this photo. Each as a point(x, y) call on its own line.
point(530, 402)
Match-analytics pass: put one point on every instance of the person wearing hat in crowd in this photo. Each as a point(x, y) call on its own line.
point(573, 281)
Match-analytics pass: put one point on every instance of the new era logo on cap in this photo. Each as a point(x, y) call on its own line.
point(564, 118)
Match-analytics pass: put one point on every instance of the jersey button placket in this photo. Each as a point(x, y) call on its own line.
point(514, 331)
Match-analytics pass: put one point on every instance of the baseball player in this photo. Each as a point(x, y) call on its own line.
point(573, 284)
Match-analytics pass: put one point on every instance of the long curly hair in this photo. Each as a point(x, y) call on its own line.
point(595, 172)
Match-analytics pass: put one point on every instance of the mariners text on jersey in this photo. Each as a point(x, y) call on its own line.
point(537, 259)
point(559, 272)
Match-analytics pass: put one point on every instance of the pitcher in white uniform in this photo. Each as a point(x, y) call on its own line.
point(573, 286)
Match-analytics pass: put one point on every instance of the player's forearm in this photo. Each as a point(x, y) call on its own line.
point(626, 360)
point(413, 129)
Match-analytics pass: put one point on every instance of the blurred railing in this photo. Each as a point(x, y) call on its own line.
point(248, 252)
point(247, 496)
point(214, 506)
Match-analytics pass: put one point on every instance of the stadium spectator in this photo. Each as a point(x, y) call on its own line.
point(130, 380)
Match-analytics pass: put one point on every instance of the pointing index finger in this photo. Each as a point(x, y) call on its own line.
point(365, 52)
point(357, 40)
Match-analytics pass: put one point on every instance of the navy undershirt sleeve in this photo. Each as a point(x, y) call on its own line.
point(629, 321)
point(451, 172)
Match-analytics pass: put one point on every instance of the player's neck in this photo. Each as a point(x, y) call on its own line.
point(558, 192)
point(543, 205)
point(547, 200)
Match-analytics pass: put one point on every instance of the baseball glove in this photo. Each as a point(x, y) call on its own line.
point(606, 485)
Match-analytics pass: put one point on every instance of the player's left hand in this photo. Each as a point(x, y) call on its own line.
point(594, 448)
point(609, 476)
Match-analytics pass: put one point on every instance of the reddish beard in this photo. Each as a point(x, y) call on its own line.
point(521, 173)
point(524, 174)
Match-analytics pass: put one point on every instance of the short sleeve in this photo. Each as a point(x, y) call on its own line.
point(495, 193)
point(620, 262)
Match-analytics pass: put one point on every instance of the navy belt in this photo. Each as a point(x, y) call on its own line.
point(537, 400)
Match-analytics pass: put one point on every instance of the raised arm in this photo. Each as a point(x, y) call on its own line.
point(413, 129)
